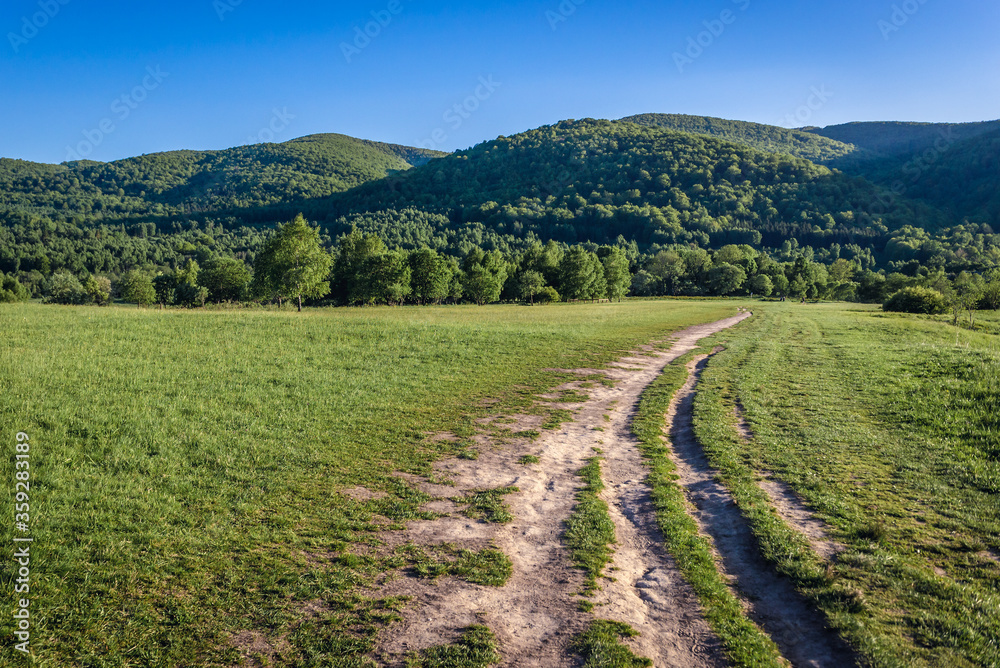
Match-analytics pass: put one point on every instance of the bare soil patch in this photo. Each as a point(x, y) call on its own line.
point(363, 494)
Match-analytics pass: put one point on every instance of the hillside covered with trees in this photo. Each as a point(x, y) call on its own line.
point(769, 138)
point(186, 182)
point(691, 213)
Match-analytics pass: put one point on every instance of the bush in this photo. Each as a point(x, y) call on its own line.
point(12, 291)
point(65, 288)
point(547, 295)
point(916, 300)
point(98, 289)
point(137, 288)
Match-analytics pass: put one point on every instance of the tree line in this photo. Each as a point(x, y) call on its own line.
point(360, 269)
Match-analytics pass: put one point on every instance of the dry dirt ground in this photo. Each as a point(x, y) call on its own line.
point(537, 614)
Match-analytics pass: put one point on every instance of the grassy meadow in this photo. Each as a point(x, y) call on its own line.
point(889, 427)
point(186, 466)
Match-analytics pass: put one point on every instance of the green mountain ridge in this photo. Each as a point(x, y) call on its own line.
point(885, 139)
point(182, 181)
point(770, 138)
point(634, 183)
point(597, 181)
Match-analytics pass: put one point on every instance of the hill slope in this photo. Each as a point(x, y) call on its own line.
point(770, 138)
point(595, 180)
point(896, 139)
point(185, 181)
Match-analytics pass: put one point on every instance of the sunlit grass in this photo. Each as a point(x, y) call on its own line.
point(889, 427)
point(186, 465)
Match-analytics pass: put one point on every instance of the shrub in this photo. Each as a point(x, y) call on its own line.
point(12, 291)
point(916, 300)
point(137, 288)
point(98, 290)
point(547, 295)
point(65, 288)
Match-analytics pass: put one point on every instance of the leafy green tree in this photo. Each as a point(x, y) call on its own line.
point(225, 278)
point(965, 295)
point(529, 284)
point(186, 289)
point(725, 279)
point(669, 269)
point(581, 275)
point(798, 287)
point(484, 276)
point(98, 289)
point(165, 286)
point(916, 300)
point(991, 292)
point(761, 285)
point(385, 279)
point(430, 276)
point(353, 251)
point(617, 277)
point(12, 291)
point(293, 263)
point(644, 284)
point(136, 287)
point(65, 288)
point(547, 295)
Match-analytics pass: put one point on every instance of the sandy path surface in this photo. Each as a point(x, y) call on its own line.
point(536, 615)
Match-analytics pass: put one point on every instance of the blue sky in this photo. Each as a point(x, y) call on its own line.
point(107, 80)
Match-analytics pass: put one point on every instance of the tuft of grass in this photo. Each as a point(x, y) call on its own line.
point(590, 532)
point(489, 567)
point(529, 459)
point(744, 643)
point(477, 648)
point(488, 505)
point(557, 418)
point(601, 646)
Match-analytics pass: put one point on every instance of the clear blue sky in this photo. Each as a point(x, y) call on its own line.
point(66, 64)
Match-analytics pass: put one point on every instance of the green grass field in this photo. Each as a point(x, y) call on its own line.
point(185, 466)
point(888, 426)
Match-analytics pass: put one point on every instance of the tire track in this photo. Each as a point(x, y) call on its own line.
point(799, 630)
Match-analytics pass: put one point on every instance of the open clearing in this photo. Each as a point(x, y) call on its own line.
point(357, 487)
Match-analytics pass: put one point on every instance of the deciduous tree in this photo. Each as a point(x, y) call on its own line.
point(293, 263)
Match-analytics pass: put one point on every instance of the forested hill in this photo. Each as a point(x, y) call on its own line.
point(769, 138)
point(949, 166)
point(594, 180)
point(182, 182)
point(588, 181)
point(901, 140)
